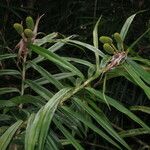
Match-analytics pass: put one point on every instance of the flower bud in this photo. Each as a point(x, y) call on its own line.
point(18, 27)
point(118, 38)
point(30, 23)
point(108, 48)
point(105, 39)
point(28, 33)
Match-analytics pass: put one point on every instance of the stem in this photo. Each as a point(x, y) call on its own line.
point(23, 77)
point(78, 88)
point(112, 45)
point(23, 74)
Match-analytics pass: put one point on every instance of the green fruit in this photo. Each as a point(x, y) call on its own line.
point(105, 39)
point(28, 33)
point(118, 38)
point(30, 23)
point(108, 48)
point(18, 27)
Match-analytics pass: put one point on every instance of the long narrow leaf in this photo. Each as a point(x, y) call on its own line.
point(47, 75)
point(43, 92)
point(79, 61)
point(137, 40)
point(95, 33)
point(7, 56)
point(88, 46)
point(90, 125)
point(103, 123)
point(46, 39)
point(139, 70)
point(71, 139)
point(8, 135)
point(144, 109)
point(59, 76)
point(137, 78)
point(9, 72)
point(37, 131)
point(126, 26)
point(6, 90)
point(117, 105)
point(56, 59)
point(133, 132)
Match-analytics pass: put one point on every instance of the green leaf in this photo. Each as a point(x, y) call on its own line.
point(7, 56)
point(78, 116)
point(9, 72)
point(4, 117)
point(79, 61)
point(142, 60)
point(59, 76)
point(126, 26)
point(130, 48)
point(102, 122)
point(53, 141)
point(139, 70)
point(88, 46)
point(6, 90)
point(28, 144)
point(47, 75)
point(25, 99)
point(6, 103)
point(144, 109)
point(51, 144)
point(137, 78)
point(133, 132)
point(46, 39)
point(63, 75)
point(117, 105)
point(6, 138)
point(56, 59)
point(119, 71)
point(58, 45)
point(53, 48)
point(43, 92)
point(35, 60)
point(70, 138)
point(95, 33)
point(37, 131)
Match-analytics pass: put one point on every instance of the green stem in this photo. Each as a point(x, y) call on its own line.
point(78, 88)
point(23, 74)
point(112, 45)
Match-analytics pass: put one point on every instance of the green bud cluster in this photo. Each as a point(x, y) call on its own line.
point(108, 45)
point(28, 32)
point(107, 42)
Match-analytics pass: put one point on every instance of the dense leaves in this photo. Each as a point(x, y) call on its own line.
point(60, 102)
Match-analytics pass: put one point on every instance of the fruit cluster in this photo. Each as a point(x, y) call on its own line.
point(27, 33)
point(108, 45)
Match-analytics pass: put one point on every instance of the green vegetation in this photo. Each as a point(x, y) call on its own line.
point(54, 99)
